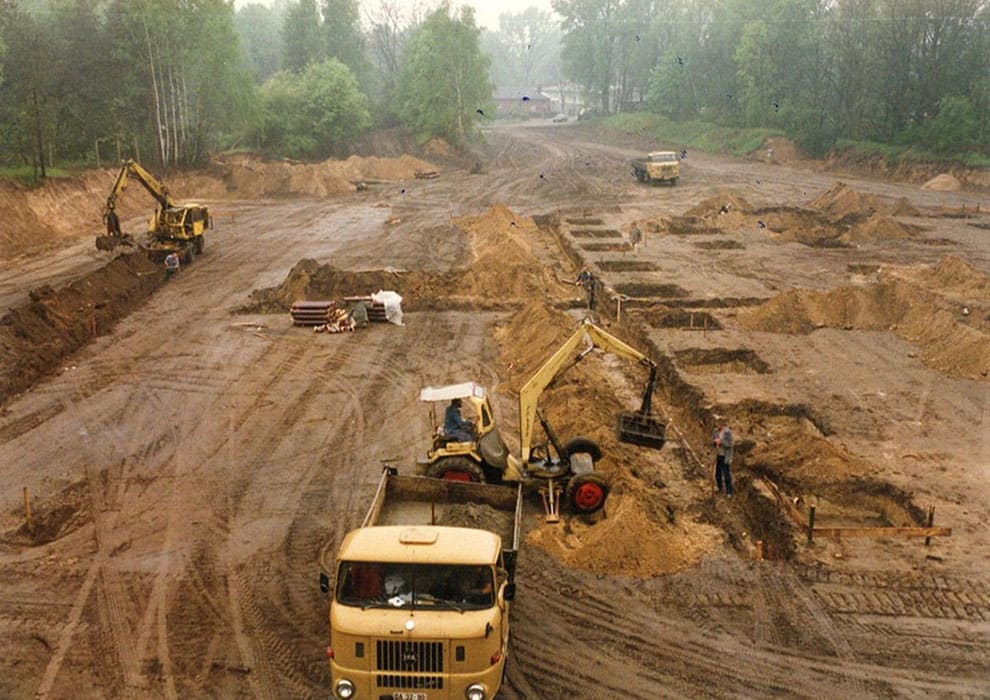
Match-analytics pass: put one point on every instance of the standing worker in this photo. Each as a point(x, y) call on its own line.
point(724, 442)
point(587, 280)
point(171, 264)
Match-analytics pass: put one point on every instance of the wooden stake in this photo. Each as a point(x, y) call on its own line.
point(28, 517)
point(931, 523)
point(811, 524)
point(759, 550)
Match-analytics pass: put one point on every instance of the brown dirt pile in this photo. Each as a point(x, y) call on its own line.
point(636, 538)
point(505, 263)
point(504, 270)
point(843, 202)
point(247, 176)
point(35, 338)
point(880, 228)
point(943, 183)
point(39, 218)
point(942, 308)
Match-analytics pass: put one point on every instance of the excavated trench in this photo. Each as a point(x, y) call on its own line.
point(626, 266)
point(595, 233)
point(720, 360)
point(606, 247)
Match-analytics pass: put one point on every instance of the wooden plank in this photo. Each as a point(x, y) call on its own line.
point(882, 531)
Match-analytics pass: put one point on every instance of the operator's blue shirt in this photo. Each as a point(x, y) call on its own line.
point(452, 420)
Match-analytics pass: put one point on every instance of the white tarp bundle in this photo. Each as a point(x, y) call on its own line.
point(392, 303)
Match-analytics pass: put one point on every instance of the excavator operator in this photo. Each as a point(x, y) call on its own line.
point(455, 426)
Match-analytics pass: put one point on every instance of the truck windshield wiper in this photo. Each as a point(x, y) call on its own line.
point(437, 602)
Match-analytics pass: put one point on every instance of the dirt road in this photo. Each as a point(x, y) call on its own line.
point(190, 465)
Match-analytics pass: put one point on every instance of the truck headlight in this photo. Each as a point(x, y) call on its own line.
point(344, 689)
point(475, 692)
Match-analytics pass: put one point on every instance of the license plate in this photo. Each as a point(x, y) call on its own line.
point(408, 696)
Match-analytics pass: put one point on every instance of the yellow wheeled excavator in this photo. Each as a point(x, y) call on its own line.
point(173, 228)
point(563, 471)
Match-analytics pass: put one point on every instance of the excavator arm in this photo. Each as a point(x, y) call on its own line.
point(155, 188)
point(562, 360)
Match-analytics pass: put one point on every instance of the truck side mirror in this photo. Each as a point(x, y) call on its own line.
point(509, 593)
point(324, 582)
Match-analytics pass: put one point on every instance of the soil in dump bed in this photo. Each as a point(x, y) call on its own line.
point(479, 517)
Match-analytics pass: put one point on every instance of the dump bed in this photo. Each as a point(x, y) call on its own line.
point(425, 501)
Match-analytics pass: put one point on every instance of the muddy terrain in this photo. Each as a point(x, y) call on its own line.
point(187, 451)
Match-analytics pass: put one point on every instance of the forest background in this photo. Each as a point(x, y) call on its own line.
point(171, 82)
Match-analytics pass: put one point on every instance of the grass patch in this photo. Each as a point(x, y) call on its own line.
point(894, 154)
point(24, 174)
point(700, 135)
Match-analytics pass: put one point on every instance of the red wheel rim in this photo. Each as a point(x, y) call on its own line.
point(456, 475)
point(589, 496)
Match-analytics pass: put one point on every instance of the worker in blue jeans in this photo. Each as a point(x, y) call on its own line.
point(724, 442)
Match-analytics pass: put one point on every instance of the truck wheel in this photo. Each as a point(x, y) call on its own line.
point(200, 242)
point(583, 444)
point(457, 469)
point(586, 493)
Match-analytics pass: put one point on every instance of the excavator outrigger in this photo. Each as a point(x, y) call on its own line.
point(173, 228)
point(567, 467)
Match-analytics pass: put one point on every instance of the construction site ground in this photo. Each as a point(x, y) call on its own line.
point(187, 451)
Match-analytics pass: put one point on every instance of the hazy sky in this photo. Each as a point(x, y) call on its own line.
point(486, 11)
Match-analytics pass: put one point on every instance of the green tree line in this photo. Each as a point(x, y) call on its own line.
point(171, 81)
point(911, 72)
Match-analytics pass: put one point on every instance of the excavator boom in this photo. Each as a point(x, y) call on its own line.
point(646, 430)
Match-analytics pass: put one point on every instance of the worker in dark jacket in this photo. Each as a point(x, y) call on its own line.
point(724, 445)
point(455, 426)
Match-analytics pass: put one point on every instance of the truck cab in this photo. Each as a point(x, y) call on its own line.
point(657, 166)
point(421, 592)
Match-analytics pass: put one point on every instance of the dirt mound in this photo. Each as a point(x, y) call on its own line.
point(841, 201)
point(943, 183)
point(784, 150)
point(37, 336)
point(720, 204)
point(504, 270)
point(39, 218)
point(506, 263)
point(628, 542)
point(921, 305)
point(880, 228)
point(955, 275)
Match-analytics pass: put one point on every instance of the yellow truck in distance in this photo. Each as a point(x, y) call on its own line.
point(658, 166)
point(420, 593)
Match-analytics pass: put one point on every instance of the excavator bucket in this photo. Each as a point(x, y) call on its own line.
point(641, 429)
point(111, 242)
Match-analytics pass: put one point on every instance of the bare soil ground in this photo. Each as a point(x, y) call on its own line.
point(189, 454)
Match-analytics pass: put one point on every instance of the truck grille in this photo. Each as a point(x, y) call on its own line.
point(409, 663)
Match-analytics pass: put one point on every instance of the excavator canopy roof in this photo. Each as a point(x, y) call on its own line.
point(452, 391)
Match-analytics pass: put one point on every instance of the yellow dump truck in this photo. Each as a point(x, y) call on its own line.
point(420, 593)
point(658, 166)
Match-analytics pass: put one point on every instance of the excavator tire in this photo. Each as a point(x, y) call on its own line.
point(586, 493)
point(456, 469)
point(583, 444)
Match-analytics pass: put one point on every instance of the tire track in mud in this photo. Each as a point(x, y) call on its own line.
point(113, 606)
point(662, 650)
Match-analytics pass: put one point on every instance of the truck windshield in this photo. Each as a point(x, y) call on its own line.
point(663, 157)
point(446, 587)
